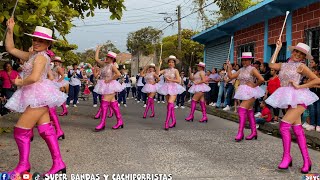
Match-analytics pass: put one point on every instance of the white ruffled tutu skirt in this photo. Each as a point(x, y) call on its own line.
point(284, 97)
point(171, 89)
point(39, 94)
point(108, 88)
point(245, 92)
point(199, 88)
point(150, 88)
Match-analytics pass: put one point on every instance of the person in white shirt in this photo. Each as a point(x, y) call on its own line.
point(75, 76)
point(181, 97)
point(133, 81)
point(160, 96)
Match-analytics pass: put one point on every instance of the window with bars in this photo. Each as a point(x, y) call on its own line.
point(313, 40)
point(245, 48)
point(282, 56)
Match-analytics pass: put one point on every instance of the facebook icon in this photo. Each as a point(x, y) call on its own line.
point(4, 176)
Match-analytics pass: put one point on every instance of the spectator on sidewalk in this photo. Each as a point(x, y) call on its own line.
point(133, 81)
point(314, 108)
point(181, 97)
point(229, 90)
point(160, 96)
point(8, 75)
point(221, 94)
point(265, 114)
point(236, 85)
point(75, 76)
point(214, 79)
point(122, 94)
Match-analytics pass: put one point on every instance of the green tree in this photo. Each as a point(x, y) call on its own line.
point(54, 14)
point(227, 9)
point(143, 41)
point(190, 50)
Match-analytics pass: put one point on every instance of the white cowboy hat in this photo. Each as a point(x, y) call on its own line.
point(172, 57)
point(201, 64)
point(57, 58)
point(42, 33)
point(247, 55)
point(152, 65)
point(112, 54)
point(303, 48)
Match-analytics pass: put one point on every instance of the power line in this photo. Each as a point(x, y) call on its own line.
point(116, 24)
point(151, 6)
point(188, 15)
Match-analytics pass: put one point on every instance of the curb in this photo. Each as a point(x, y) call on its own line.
point(313, 137)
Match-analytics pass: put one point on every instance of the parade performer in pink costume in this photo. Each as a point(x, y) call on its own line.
point(248, 91)
point(198, 88)
point(59, 81)
point(294, 97)
point(150, 88)
point(108, 87)
point(171, 88)
point(35, 95)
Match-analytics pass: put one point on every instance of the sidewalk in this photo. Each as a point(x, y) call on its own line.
point(313, 137)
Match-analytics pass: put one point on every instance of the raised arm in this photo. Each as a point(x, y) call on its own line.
point(10, 43)
point(190, 75)
point(272, 62)
point(37, 70)
point(314, 81)
point(143, 72)
point(230, 74)
point(97, 56)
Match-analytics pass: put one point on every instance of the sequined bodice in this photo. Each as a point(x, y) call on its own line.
point(106, 72)
point(288, 72)
point(55, 73)
point(28, 66)
point(170, 73)
point(246, 75)
point(197, 77)
point(149, 78)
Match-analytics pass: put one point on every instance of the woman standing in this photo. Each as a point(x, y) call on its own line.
point(8, 75)
point(198, 88)
point(36, 94)
point(150, 88)
point(248, 92)
point(58, 74)
point(108, 86)
point(171, 88)
point(294, 97)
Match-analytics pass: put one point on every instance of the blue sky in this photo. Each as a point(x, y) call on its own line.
point(98, 29)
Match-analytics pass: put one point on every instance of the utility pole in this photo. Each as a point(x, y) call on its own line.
point(179, 30)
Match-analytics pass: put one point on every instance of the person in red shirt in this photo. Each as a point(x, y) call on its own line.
point(265, 114)
point(273, 85)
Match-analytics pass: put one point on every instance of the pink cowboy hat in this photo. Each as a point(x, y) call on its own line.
point(201, 64)
point(42, 33)
point(247, 55)
point(57, 58)
point(112, 55)
point(302, 47)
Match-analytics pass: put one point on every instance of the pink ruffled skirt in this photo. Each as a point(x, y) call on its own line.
point(63, 83)
point(39, 94)
point(171, 89)
point(245, 92)
point(199, 88)
point(284, 97)
point(150, 88)
point(108, 88)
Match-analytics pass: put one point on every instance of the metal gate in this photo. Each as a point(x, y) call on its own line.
point(217, 52)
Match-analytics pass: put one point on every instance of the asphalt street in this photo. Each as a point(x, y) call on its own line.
point(191, 150)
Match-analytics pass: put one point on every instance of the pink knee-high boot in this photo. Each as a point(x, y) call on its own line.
point(152, 107)
point(47, 132)
point(242, 113)
point(64, 110)
point(110, 112)
point(115, 107)
point(302, 142)
point(170, 106)
point(147, 108)
point(286, 143)
point(204, 112)
point(22, 137)
point(193, 108)
point(104, 107)
point(252, 122)
point(173, 117)
point(55, 121)
point(97, 116)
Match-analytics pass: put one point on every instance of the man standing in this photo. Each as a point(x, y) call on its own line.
point(75, 76)
point(181, 97)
